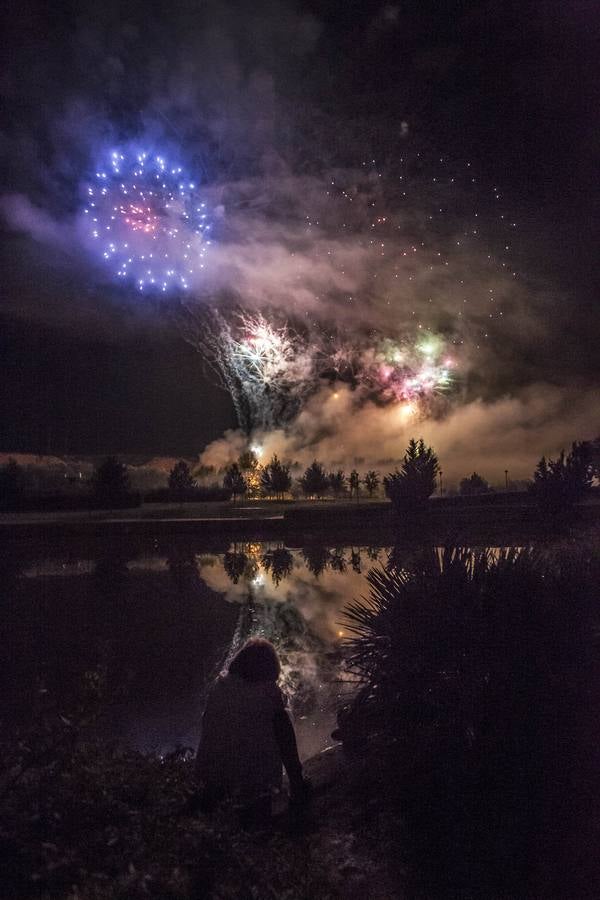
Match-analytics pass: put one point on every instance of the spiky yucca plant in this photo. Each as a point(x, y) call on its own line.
point(479, 654)
point(476, 712)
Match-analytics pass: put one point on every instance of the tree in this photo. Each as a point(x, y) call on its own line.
point(235, 563)
point(202, 471)
point(354, 482)
point(248, 461)
point(316, 557)
point(250, 467)
point(110, 483)
point(279, 562)
point(559, 483)
point(275, 478)
point(409, 488)
point(337, 482)
point(234, 481)
point(474, 484)
point(314, 481)
point(12, 485)
point(180, 479)
point(371, 482)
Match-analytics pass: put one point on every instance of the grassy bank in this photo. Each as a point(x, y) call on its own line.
point(88, 821)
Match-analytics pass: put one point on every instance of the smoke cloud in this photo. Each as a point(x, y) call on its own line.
point(510, 432)
point(315, 220)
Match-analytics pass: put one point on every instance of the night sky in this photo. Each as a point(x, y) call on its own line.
point(256, 92)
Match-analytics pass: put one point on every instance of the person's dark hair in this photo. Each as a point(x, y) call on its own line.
point(256, 661)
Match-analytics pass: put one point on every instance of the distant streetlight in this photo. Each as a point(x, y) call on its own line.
point(506, 478)
point(441, 483)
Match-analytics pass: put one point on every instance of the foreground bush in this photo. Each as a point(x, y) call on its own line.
point(560, 483)
point(476, 675)
point(81, 819)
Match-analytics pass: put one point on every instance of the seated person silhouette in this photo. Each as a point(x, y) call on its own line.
point(247, 737)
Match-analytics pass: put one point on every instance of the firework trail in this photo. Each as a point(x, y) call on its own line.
point(269, 370)
point(266, 369)
point(145, 218)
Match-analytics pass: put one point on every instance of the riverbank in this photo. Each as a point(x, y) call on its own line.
point(493, 519)
point(116, 824)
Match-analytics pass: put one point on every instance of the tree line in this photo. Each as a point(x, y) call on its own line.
point(274, 480)
point(557, 484)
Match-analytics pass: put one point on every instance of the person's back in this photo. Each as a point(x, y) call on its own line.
point(238, 754)
point(247, 735)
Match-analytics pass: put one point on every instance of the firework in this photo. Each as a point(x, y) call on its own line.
point(270, 369)
point(267, 369)
point(408, 373)
point(145, 218)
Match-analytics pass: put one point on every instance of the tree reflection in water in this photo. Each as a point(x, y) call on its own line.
point(278, 563)
point(316, 557)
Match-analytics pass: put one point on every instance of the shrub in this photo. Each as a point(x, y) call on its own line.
point(409, 488)
point(87, 820)
point(180, 479)
point(559, 483)
point(234, 482)
point(371, 481)
point(474, 485)
point(314, 482)
point(473, 671)
point(337, 483)
point(110, 485)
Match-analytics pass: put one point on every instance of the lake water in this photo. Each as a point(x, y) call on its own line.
point(161, 621)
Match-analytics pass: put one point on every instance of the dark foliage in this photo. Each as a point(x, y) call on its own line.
point(314, 482)
point(473, 671)
point(411, 486)
point(180, 479)
point(337, 561)
point(560, 483)
point(371, 481)
point(197, 494)
point(316, 557)
point(85, 820)
point(278, 563)
point(110, 485)
point(337, 483)
point(474, 485)
point(240, 564)
point(12, 485)
point(354, 482)
point(248, 461)
point(275, 479)
point(234, 481)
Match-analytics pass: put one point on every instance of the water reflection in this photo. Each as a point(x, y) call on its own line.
point(162, 622)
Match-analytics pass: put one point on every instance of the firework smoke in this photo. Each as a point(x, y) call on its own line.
point(271, 370)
